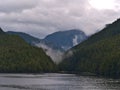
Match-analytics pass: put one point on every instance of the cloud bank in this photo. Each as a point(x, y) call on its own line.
point(42, 17)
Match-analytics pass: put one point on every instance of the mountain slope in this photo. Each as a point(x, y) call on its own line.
point(99, 54)
point(66, 39)
point(28, 38)
point(54, 44)
point(62, 40)
point(18, 56)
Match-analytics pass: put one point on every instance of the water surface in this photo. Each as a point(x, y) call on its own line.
point(56, 82)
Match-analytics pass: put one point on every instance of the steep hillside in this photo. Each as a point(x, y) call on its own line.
point(17, 56)
point(100, 54)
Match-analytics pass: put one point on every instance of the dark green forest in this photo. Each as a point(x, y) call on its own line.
point(17, 56)
point(99, 54)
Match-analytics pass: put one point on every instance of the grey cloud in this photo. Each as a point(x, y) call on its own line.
point(42, 17)
point(15, 5)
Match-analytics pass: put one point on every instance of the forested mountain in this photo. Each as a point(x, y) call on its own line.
point(54, 44)
point(18, 56)
point(99, 54)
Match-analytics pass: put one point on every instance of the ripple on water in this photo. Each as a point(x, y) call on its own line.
point(56, 82)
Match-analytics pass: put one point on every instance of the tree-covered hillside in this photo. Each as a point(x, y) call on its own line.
point(18, 56)
point(99, 54)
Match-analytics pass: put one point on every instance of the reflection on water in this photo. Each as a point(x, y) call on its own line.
point(56, 82)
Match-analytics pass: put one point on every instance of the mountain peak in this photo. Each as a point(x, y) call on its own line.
point(66, 39)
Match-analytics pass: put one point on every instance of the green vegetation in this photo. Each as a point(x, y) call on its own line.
point(99, 54)
point(17, 56)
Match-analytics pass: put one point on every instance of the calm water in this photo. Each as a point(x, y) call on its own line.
point(56, 82)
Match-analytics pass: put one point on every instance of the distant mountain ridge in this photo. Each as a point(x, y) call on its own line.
point(61, 40)
point(55, 44)
point(66, 39)
point(28, 38)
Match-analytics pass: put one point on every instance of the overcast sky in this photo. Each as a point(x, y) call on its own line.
point(42, 17)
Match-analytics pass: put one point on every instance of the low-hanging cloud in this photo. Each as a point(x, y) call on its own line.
point(42, 17)
point(56, 55)
point(75, 42)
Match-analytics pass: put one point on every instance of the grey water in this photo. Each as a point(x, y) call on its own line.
point(56, 81)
